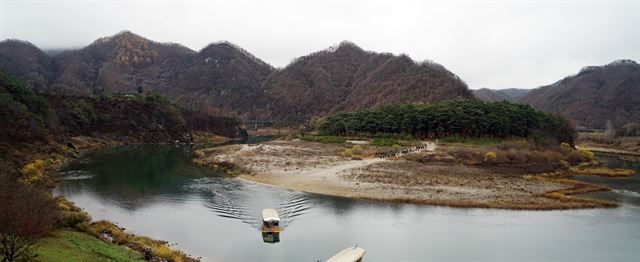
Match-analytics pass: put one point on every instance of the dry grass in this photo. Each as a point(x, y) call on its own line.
point(501, 158)
point(109, 232)
point(629, 144)
point(74, 218)
point(457, 176)
point(38, 171)
point(562, 202)
point(601, 171)
point(464, 186)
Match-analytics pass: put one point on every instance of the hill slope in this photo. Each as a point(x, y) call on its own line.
point(494, 95)
point(594, 96)
point(223, 78)
point(347, 78)
point(219, 78)
point(26, 62)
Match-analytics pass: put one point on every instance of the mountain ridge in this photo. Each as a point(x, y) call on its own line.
point(492, 95)
point(224, 78)
point(594, 95)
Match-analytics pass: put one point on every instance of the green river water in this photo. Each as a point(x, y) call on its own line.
point(156, 191)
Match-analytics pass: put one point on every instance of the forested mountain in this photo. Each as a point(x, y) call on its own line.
point(346, 78)
point(225, 79)
point(27, 62)
point(218, 78)
point(493, 95)
point(28, 118)
point(594, 96)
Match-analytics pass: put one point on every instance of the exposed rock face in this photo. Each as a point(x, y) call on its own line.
point(225, 79)
point(595, 95)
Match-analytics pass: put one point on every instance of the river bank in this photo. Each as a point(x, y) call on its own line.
point(142, 188)
point(600, 149)
point(597, 142)
point(324, 169)
point(77, 235)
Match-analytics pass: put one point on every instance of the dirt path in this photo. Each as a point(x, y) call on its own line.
point(333, 171)
point(323, 169)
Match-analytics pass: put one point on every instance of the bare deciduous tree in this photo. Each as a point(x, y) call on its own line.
point(26, 214)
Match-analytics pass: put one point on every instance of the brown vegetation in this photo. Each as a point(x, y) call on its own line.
point(463, 186)
point(601, 171)
point(26, 215)
point(593, 96)
point(496, 95)
point(223, 78)
point(347, 78)
point(72, 217)
point(508, 157)
point(494, 176)
point(109, 232)
point(628, 144)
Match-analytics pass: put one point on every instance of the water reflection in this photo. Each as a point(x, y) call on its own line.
point(133, 177)
point(271, 237)
point(155, 191)
point(136, 177)
point(625, 190)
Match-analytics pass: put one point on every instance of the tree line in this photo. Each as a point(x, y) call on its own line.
point(459, 117)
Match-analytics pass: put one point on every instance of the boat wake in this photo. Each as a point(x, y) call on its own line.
point(627, 192)
point(245, 202)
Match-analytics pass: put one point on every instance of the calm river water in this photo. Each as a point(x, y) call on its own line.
point(155, 191)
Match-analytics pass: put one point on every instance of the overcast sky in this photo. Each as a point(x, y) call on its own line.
point(495, 44)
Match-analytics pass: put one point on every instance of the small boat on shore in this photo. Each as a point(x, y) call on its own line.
point(350, 254)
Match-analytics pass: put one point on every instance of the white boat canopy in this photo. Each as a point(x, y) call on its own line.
point(270, 215)
point(350, 254)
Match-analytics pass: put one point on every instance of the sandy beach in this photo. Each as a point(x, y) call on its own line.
point(322, 169)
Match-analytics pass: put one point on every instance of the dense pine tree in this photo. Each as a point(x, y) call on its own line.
point(466, 118)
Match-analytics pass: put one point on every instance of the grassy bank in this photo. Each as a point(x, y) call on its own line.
point(65, 245)
point(601, 171)
point(598, 141)
point(76, 237)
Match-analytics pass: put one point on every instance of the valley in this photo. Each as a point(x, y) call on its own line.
point(126, 148)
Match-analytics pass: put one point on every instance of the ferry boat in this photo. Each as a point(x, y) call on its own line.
point(350, 254)
point(270, 226)
point(270, 221)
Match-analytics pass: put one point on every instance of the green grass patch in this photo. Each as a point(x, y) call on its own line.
point(480, 141)
point(75, 246)
point(385, 142)
point(323, 139)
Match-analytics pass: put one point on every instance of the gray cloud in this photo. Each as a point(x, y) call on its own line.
point(496, 44)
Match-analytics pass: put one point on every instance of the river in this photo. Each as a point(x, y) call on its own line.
point(156, 191)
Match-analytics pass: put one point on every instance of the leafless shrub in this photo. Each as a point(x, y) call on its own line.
point(26, 214)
